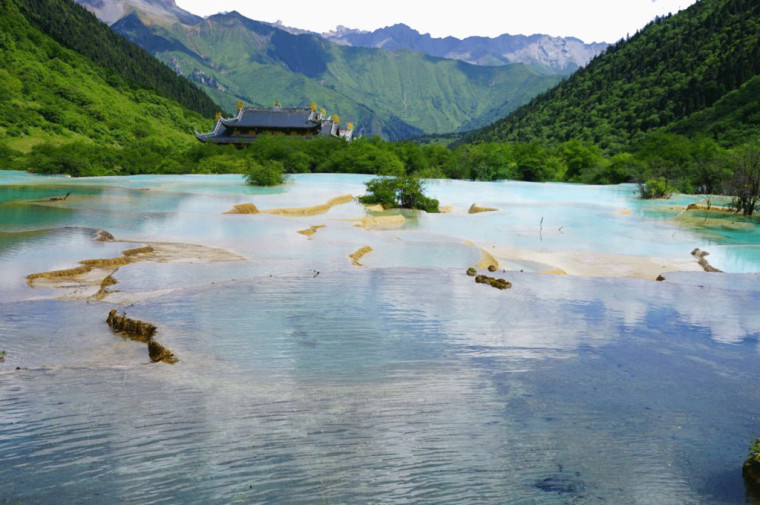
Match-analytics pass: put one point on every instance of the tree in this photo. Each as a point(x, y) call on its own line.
point(744, 184)
point(267, 173)
point(405, 191)
point(579, 157)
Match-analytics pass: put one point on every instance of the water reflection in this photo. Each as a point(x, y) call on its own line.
point(303, 378)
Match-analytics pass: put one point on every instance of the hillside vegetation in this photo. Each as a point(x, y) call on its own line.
point(74, 27)
point(678, 66)
point(58, 104)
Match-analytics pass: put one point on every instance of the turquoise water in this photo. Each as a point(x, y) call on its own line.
point(401, 381)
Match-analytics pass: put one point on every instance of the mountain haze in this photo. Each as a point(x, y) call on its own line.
point(560, 55)
point(692, 72)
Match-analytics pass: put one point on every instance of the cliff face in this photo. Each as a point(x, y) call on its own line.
point(110, 11)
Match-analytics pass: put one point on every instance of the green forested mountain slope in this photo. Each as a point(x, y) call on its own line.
point(53, 97)
point(675, 67)
point(396, 94)
point(74, 27)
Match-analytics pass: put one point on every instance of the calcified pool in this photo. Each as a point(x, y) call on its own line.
point(307, 377)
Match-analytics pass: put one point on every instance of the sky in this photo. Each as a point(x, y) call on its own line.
point(588, 20)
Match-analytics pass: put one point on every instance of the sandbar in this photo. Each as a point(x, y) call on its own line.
point(358, 254)
point(379, 222)
point(249, 208)
point(475, 209)
point(91, 279)
point(592, 264)
point(311, 231)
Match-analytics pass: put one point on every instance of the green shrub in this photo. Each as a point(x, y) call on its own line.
point(655, 188)
point(405, 192)
point(266, 173)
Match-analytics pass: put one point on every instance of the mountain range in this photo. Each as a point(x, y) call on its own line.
point(559, 55)
point(396, 91)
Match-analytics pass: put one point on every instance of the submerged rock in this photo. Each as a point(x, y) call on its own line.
point(493, 282)
point(472, 272)
point(132, 328)
point(157, 353)
point(103, 236)
point(142, 332)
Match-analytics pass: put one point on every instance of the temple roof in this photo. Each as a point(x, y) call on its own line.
point(272, 118)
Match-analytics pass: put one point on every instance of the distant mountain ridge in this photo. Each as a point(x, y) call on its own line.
point(562, 55)
point(110, 11)
point(394, 94)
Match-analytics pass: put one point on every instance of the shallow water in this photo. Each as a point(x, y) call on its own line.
point(305, 379)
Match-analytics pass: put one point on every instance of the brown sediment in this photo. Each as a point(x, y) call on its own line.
point(379, 222)
point(357, 255)
point(311, 211)
point(374, 208)
point(137, 250)
point(475, 208)
point(311, 231)
point(57, 274)
point(243, 208)
point(624, 212)
point(140, 331)
point(106, 262)
point(445, 209)
point(103, 291)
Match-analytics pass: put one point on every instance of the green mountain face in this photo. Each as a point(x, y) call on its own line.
point(679, 73)
point(52, 95)
point(395, 94)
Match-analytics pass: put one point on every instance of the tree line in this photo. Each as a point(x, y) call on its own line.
point(661, 160)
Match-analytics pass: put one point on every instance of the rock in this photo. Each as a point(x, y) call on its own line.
point(157, 353)
point(660, 277)
point(103, 236)
point(751, 472)
point(132, 328)
point(472, 272)
point(491, 268)
point(496, 283)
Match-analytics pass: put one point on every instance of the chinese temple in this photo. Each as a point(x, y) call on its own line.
point(251, 122)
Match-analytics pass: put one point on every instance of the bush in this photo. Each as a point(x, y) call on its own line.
point(405, 192)
point(655, 188)
point(266, 173)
